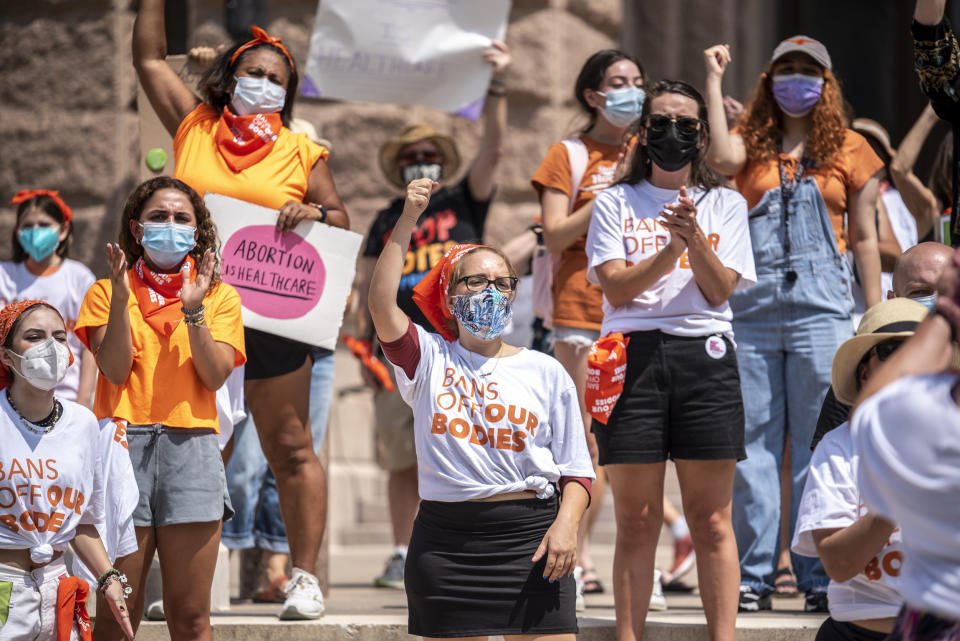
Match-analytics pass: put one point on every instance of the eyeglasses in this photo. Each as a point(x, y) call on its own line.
point(479, 282)
point(410, 157)
point(685, 124)
point(885, 349)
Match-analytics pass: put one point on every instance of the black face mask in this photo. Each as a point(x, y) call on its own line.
point(671, 148)
point(431, 170)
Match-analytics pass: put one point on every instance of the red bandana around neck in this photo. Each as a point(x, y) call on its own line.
point(243, 141)
point(158, 295)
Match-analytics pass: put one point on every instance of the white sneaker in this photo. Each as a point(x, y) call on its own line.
point(304, 598)
point(578, 580)
point(155, 611)
point(657, 600)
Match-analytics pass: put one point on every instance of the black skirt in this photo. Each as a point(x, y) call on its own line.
point(468, 571)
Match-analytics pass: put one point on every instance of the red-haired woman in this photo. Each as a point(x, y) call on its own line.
point(801, 170)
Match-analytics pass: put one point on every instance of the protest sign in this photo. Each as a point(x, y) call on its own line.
point(409, 52)
point(293, 285)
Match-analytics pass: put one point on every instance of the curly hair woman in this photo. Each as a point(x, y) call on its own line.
point(166, 333)
point(801, 170)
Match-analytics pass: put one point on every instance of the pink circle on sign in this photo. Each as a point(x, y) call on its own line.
point(277, 275)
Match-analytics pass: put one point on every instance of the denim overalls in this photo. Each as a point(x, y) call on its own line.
point(787, 334)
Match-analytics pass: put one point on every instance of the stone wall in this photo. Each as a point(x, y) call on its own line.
point(69, 122)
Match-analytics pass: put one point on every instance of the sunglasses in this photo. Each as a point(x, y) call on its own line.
point(478, 283)
point(685, 124)
point(884, 350)
point(410, 157)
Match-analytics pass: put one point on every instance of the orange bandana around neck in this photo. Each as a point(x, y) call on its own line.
point(606, 371)
point(430, 294)
point(158, 295)
point(243, 141)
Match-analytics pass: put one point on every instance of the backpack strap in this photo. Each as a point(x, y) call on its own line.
point(579, 157)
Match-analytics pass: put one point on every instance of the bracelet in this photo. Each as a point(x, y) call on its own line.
point(323, 211)
point(107, 577)
point(497, 93)
point(192, 312)
point(497, 82)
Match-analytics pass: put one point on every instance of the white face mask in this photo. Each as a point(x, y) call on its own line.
point(257, 96)
point(44, 365)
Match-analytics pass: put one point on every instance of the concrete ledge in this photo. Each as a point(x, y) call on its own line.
point(679, 625)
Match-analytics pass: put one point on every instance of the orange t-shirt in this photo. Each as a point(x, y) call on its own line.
point(577, 303)
point(853, 167)
point(283, 175)
point(163, 386)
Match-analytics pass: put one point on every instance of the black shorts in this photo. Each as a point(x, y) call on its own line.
point(833, 630)
point(468, 571)
point(678, 401)
point(269, 355)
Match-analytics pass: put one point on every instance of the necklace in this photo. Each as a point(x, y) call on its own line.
point(46, 425)
point(477, 369)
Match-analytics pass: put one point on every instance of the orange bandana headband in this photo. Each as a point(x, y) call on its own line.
point(430, 294)
point(9, 316)
point(26, 194)
point(260, 37)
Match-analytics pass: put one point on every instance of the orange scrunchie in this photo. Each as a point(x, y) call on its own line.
point(430, 294)
point(260, 37)
point(27, 194)
point(606, 372)
point(9, 316)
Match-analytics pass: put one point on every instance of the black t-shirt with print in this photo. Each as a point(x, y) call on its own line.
point(453, 216)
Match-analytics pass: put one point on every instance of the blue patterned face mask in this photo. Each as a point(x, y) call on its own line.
point(484, 314)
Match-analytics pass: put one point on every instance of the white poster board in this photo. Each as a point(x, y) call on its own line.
point(293, 285)
point(408, 52)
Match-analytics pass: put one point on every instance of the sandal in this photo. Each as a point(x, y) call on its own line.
point(276, 592)
point(591, 582)
point(785, 583)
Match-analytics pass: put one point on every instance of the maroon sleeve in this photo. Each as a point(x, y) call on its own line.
point(582, 480)
point(405, 351)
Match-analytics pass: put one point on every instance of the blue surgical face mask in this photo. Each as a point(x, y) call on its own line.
point(623, 105)
point(797, 93)
point(257, 96)
point(483, 314)
point(39, 242)
point(167, 244)
point(929, 302)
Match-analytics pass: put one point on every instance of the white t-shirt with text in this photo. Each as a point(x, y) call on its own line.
point(50, 483)
point(908, 437)
point(64, 289)
point(831, 499)
point(517, 428)
point(626, 225)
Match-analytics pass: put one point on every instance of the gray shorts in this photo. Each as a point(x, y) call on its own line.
point(180, 476)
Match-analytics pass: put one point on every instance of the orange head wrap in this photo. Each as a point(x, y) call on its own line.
point(260, 37)
point(8, 317)
point(430, 294)
point(27, 194)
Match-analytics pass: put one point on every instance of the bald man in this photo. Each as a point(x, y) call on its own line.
point(914, 276)
point(917, 270)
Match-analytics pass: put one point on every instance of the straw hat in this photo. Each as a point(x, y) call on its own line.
point(875, 129)
point(301, 126)
point(894, 318)
point(390, 151)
